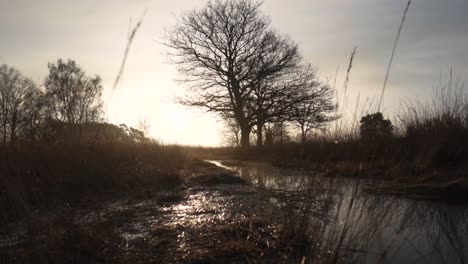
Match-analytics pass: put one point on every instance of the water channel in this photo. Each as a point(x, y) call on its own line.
point(369, 227)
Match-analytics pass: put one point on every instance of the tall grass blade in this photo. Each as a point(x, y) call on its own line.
point(393, 54)
point(127, 50)
point(347, 74)
point(350, 66)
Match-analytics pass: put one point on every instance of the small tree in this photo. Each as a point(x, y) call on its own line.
point(374, 126)
point(314, 107)
point(144, 126)
point(274, 99)
point(35, 112)
point(73, 97)
point(18, 103)
point(276, 133)
point(231, 132)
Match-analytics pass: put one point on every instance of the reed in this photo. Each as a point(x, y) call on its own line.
point(393, 55)
point(45, 175)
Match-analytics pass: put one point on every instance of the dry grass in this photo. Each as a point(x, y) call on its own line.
point(46, 175)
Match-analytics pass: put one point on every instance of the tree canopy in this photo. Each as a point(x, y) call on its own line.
point(73, 96)
point(18, 103)
point(227, 51)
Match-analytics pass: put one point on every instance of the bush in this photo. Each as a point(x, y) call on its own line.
point(374, 126)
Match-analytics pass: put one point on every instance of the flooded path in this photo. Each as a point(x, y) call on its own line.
point(368, 227)
point(216, 217)
point(233, 212)
point(186, 227)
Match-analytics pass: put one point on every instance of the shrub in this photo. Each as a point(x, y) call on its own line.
point(374, 126)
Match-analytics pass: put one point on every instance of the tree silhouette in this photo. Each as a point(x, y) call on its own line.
point(225, 51)
point(314, 106)
point(374, 126)
point(73, 97)
point(274, 99)
point(231, 132)
point(18, 105)
point(276, 133)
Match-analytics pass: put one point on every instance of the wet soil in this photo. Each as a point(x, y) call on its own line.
point(215, 217)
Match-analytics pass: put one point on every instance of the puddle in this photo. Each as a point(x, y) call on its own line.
point(369, 227)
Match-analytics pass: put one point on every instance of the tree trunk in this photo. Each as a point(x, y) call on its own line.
point(303, 135)
point(245, 129)
point(245, 137)
point(259, 135)
point(281, 133)
point(13, 128)
point(4, 133)
point(237, 139)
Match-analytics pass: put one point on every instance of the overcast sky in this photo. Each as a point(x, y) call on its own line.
point(92, 32)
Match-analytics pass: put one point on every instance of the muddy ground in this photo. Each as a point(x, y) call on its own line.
point(215, 217)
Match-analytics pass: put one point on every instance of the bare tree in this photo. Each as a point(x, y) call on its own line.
point(231, 132)
point(315, 106)
point(144, 126)
point(18, 108)
point(276, 99)
point(35, 113)
point(276, 133)
point(73, 96)
point(224, 51)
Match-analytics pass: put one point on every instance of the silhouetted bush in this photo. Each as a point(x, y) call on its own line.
point(374, 126)
point(438, 130)
point(90, 132)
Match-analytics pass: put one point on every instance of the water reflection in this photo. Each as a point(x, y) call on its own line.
point(370, 228)
point(182, 228)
